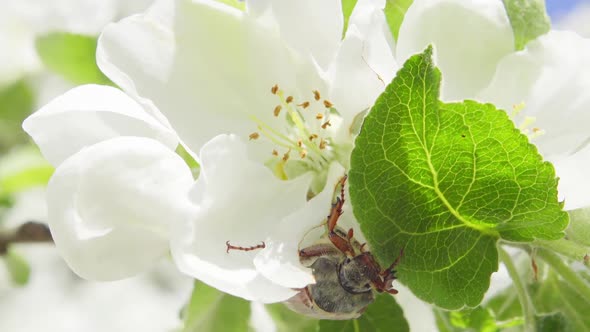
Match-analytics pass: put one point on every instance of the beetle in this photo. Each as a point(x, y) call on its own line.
point(347, 275)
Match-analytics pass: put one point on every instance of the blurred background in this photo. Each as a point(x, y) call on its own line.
point(47, 47)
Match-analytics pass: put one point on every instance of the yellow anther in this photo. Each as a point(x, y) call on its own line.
point(328, 104)
point(319, 116)
point(254, 135)
point(299, 143)
point(274, 89)
point(316, 95)
point(326, 124)
point(323, 144)
point(303, 154)
point(289, 99)
point(275, 153)
point(304, 104)
point(312, 137)
point(277, 110)
point(286, 155)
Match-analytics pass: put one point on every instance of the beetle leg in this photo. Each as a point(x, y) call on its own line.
point(390, 270)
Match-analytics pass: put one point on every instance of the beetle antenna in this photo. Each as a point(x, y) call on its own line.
point(230, 247)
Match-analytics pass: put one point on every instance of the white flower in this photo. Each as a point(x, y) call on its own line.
point(475, 50)
point(118, 185)
point(206, 69)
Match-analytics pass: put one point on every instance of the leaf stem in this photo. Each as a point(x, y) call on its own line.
point(564, 271)
point(523, 297)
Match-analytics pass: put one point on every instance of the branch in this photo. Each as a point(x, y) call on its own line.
point(29, 232)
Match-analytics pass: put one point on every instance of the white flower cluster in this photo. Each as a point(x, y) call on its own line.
point(269, 98)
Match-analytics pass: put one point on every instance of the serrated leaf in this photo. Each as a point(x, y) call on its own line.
point(72, 56)
point(395, 10)
point(347, 8)
point(383, 315)
point(212, 310)
point(528, 19)
point(18, 267)
point(445, 182)
point(16, 103)
point(288, 321)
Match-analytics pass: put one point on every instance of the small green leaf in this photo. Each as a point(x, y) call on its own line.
point(347, 8)
point(479, 319)
point(212, 310)
point(72, 56)
point(445, 182)
point(555, 295)
point(529, 20)
point(16, 103)
point(288, 321)
point(23, 168)
point(579, 227)
point(395, 10)
point(18, 267)
point(552, 322)
point(383, 315)
point(241, 5)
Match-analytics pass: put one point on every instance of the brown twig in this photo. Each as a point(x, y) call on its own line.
point(29, 232)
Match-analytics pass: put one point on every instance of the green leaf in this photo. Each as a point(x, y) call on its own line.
point(241, 5)
point(16, 103)
point(555, 295)
point(72, 56)
point(212, 310)
point(395, 10)
point(287, 320)
point(579, 228)
point(18, 267)
point(347, 8)
point(529, 20)
point(445, 182)
point(552, 322)
point(21, 169)
point(383, 315)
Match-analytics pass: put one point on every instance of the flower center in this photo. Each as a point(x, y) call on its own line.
point(301, 139)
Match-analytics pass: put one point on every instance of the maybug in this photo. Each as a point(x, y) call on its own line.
point(347, 275)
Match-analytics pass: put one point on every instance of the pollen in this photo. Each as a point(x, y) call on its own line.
point(319, 116)
point(326, 124)
point(289, 99)
point(254, 135)
point(316, 95)
point(304, 104)
point(328, 104)
point(274, 89)
point(277, 110)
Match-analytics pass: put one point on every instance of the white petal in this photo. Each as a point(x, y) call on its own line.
point(110, 206)
point(363, 67)
point(551, 76)
point(574, 179)
point(208, 73)
point(89, 114)
point(279, 262)
point(469, 37)
point(240, 201)
point(311, 26)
